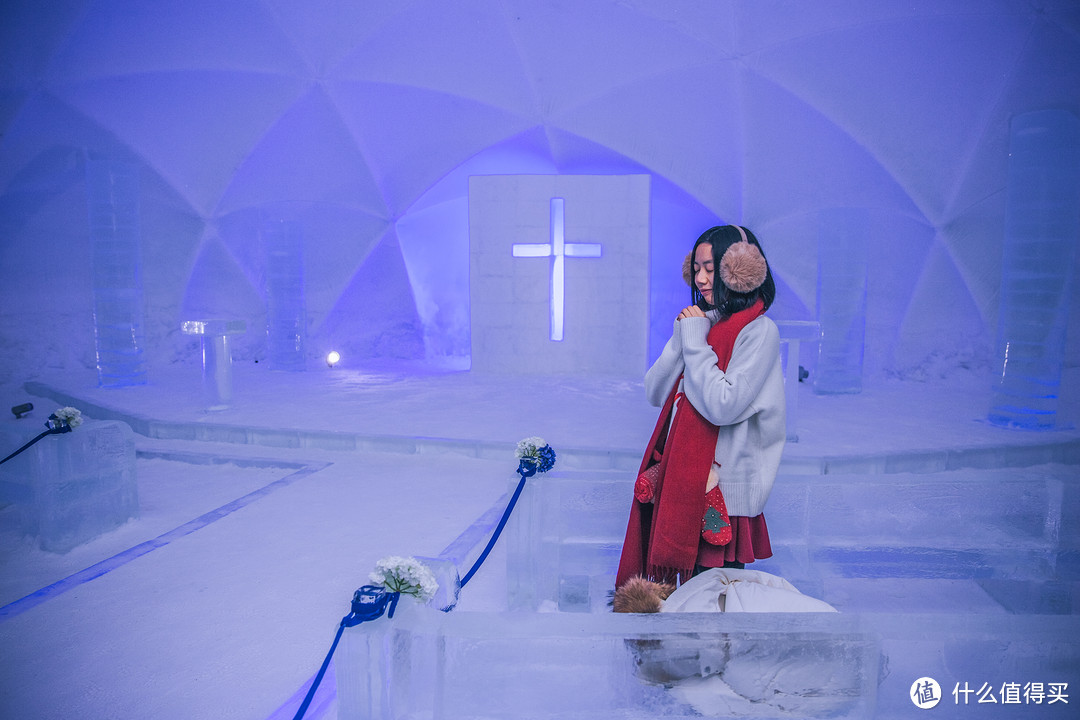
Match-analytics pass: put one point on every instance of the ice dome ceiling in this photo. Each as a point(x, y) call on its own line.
point(363, 121)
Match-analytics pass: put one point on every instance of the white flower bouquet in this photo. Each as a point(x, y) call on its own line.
point(407, 576)
point(69, 415)
point(534, 456)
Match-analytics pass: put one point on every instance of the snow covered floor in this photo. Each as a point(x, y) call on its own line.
point(230, 619)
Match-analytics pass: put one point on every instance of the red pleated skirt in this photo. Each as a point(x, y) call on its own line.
point(749, 542)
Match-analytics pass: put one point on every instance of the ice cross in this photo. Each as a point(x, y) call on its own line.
point(558, 249)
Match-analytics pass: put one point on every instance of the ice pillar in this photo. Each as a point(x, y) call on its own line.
point(843, 240)
point(1042, 222)
point(216, 358)
point(112, 192)
point(286, 316)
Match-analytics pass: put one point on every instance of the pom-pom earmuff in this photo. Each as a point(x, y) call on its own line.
point(743, 267)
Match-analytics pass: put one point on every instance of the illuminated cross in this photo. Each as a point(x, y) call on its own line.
point(559, 249)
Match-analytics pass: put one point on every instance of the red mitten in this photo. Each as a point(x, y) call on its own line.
point(645, 487)
point(716, 526)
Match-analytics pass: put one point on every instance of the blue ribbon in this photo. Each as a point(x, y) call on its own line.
point(527, 467)
point(500, 526)
point(56, 426)
point(369, 603)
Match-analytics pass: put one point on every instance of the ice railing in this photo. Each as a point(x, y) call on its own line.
point(942, 532)
point(562, 545)
point(564, 539)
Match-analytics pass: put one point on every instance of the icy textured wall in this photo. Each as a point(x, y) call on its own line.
point(363, 122)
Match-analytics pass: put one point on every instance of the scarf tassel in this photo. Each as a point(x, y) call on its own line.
point(669, 575)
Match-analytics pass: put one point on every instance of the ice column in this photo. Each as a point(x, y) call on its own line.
point(112, 192)
point(1042, 222)
point(286, 317)
point(843, 236)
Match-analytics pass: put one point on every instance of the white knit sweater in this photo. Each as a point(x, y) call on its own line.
point(746, 402)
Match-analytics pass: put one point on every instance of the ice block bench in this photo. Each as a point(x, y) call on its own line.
point(70, 488)
point(427, 664)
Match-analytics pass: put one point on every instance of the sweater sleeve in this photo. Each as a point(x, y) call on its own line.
point(726, 398)
point(661, 377)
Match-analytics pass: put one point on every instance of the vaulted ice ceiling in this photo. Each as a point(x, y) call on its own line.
point(363, 120)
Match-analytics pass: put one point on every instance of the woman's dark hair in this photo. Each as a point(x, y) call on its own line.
point(727, 301)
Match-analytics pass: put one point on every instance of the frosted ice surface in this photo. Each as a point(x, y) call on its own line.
point(72, 487)
point(606, 666)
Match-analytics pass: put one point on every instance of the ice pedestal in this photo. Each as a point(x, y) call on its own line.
point(216, 358)
point(70, 488)
point(604, 666)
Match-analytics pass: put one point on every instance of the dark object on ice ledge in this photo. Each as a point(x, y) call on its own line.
point(20, 410)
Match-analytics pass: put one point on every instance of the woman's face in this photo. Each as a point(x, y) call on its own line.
point(704, 272)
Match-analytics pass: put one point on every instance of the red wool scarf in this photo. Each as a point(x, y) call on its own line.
point(662, 537)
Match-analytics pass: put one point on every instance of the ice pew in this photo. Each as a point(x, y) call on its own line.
point(428, 664)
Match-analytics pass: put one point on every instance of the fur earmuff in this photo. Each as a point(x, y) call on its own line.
point(743, 267)
point(688, 269)
point(638, 595)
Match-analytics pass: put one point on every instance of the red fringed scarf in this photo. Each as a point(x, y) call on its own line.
point(662, 537)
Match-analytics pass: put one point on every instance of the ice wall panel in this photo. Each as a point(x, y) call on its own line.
point(573, 297)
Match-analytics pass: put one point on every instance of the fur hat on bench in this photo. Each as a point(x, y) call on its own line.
point(638, 595)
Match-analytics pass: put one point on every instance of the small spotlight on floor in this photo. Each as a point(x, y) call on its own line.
point(333, 358)
point(21, 410)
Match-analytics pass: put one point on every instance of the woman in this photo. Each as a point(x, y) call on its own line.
point(713, 456)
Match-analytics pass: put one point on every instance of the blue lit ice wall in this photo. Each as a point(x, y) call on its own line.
point(1041, 235)
point(367, 118)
